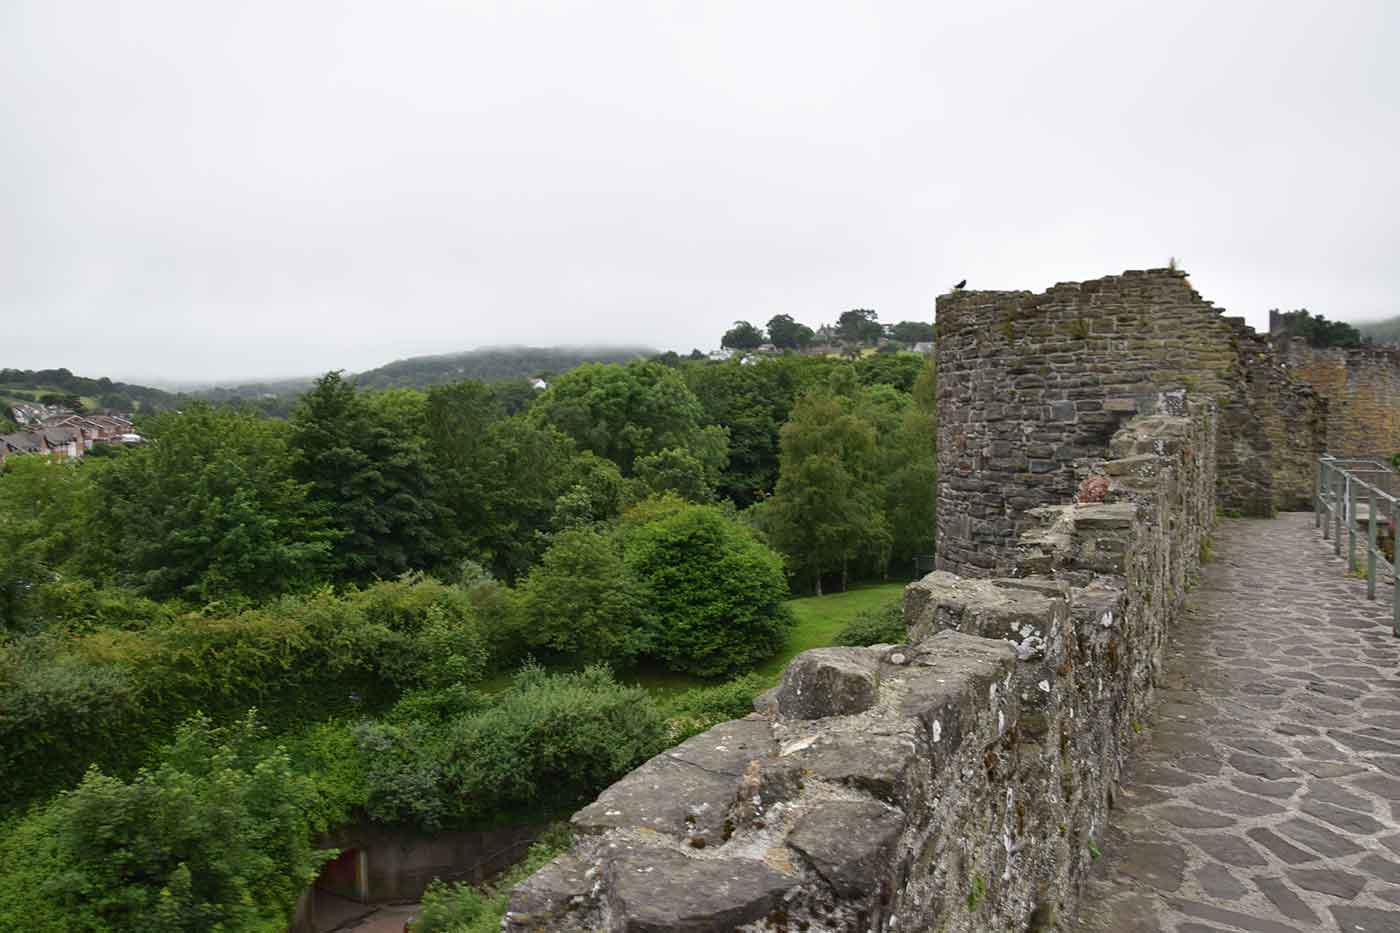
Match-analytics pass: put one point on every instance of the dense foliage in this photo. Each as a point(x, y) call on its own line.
point(1318, 331)
point(375, 572)
point(208, 510)
point(714, 590)
point(545, 744)
point(213, 837)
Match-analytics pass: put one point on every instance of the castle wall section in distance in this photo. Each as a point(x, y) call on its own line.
point(1362, 389)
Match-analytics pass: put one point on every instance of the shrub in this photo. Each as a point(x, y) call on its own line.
point(715, 592)
point(693, 711)
point(77, 606)
point(214, 837)
point(881, 626)
point(107, 697)
point(550, 741)
point(582, 601)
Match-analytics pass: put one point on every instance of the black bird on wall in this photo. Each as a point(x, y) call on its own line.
point(960, 285)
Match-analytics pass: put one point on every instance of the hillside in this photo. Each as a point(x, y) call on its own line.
point(1383, 331)
point(491, 364)
point(30, 385)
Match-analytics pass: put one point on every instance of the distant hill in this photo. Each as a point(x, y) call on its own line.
point(491, 364)
point(1386, 331)
point(39, 385)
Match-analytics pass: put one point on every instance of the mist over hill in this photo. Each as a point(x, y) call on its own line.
point(491, 364)
point(1386, 330)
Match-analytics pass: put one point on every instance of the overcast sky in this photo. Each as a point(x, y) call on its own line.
point(199, 189)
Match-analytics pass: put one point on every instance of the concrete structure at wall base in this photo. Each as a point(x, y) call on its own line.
point(955, 782)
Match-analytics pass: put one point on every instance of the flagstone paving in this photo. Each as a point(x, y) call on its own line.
point(1266, 793)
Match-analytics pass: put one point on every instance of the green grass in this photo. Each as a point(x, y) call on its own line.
point(820, 618)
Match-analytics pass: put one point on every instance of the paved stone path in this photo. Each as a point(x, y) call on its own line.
point(1266, 795)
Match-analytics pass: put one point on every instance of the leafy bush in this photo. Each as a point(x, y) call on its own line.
point(715, 591)
point(693, 711)
point(208, 510)
point(107, 697)
point(462, 908)
point(582, 601)
point(550, 741)
point(881, 626)
point(77, 606)
point(214, 837)
point(328, 755)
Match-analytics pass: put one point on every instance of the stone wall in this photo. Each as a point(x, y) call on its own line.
point(1032, 386)
point(1362, 389)
point(953, 783)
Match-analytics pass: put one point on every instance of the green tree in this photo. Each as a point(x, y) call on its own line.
point(44, 508)
point(676, 470)
point(457, 421)
point(859, 326)
point(208, 509)
point(623, 412)
point(912, 332)
point(788, 334)
point(527, 467)
point(742, 336)
point(826, 510)
point(908, 470)
point(751, 403)
point(1319, 331)
point(214, 837)
point(366, 460)
point(714, 590)
point(892, 369)
point(580, 600)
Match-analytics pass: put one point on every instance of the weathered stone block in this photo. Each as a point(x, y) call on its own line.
point(828, 682)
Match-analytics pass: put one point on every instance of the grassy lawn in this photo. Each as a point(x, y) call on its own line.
point(820, 618)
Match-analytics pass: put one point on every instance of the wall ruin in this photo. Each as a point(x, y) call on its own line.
point(1032, 386)
point(1362, 389)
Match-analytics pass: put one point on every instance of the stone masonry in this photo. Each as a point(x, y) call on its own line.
point(1031, 387)
point(1362, 389)
point(956, 782)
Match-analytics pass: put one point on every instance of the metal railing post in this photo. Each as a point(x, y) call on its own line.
point(1337, 511)
point(1324, 505)
point(1371, 544)
point(1395, 590)
point(1351, 526)
point(1317, 494)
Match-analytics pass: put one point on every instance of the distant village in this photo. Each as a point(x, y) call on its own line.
point(61, 433)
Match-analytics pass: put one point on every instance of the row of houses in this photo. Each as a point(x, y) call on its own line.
point(64, 435)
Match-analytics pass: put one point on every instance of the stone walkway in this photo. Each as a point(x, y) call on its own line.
point(1266, 795)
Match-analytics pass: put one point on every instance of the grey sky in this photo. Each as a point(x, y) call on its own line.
point(196, 189)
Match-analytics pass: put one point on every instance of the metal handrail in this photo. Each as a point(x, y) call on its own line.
point(1339, 486)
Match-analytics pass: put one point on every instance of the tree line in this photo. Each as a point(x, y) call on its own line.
point(859, 327)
